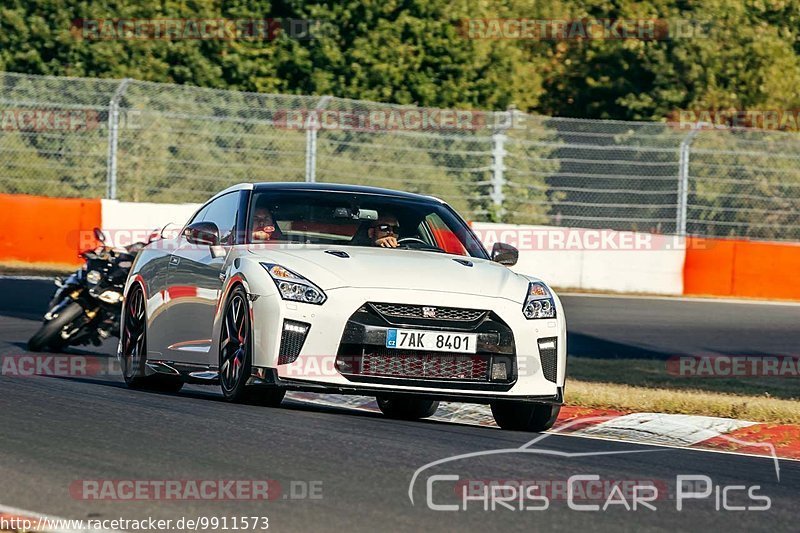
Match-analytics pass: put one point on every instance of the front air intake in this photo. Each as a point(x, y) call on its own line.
point(292, 339)
point(548, 355)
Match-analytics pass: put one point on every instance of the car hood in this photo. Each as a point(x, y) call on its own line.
point(396, 269)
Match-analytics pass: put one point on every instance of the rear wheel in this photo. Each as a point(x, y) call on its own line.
point(525, 416)
point(49, 335)
point(406, 407)
point(134, 348)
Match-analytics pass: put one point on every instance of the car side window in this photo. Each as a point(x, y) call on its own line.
point(223, 212)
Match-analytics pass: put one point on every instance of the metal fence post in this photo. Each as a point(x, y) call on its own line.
point(311, 143)
point(498, 168)
point(113, 139)
point(683, 180)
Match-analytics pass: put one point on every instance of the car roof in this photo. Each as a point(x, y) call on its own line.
point(329, 187)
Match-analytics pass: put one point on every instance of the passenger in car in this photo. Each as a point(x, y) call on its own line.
point(264, 227)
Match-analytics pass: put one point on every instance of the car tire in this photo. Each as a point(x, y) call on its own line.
point(525, 416)
point(49, 335)
point(235, 349)
point(133, 353)
point(406, 408)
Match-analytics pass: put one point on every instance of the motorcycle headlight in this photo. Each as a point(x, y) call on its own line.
point(93, 277)
point(111, 297)
point(293, 286)
point(539, 302)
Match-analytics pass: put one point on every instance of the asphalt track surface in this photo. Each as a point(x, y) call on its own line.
point(55, 432)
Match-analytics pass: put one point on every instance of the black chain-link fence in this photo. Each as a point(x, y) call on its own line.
point(141, 141)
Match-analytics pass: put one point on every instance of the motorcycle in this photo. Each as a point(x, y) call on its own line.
point(87, 305)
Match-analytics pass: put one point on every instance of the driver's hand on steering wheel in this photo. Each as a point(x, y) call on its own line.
point(387, 242)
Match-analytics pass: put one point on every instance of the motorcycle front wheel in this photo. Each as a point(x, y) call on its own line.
point(49, 335)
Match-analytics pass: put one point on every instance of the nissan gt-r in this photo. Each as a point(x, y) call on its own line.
point(346, 289)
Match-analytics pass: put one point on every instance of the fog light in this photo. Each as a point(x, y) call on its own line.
point(547, 345)
point(499, 372)
point(294, 327)
point(292, 340)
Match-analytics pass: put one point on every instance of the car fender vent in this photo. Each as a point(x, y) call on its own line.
point(338, 253)
point(463, 262)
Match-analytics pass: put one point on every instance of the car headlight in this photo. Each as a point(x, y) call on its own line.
point(293, 286)
point(93, 277)
point(539, 302)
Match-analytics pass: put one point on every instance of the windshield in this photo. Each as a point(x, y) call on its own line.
point(352, 219)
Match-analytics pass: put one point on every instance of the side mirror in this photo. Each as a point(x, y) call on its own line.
point(99, 235)
point(204, 233)
point(505, 254)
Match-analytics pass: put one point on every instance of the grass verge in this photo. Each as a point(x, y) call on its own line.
point(641, 385)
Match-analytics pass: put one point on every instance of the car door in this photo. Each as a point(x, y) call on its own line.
point(195, 279)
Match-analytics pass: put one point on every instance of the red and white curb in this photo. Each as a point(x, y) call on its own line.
point(690, 431)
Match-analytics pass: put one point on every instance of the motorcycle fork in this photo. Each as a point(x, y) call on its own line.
point(72, 297)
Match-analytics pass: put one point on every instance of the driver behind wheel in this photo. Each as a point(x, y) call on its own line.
point(384, 231)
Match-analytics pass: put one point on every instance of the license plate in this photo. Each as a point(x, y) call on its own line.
point(436, 341)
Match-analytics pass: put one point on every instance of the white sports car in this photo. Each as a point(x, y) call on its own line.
point(343, 289)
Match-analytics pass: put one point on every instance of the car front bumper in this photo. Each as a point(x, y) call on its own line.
point(326, 361)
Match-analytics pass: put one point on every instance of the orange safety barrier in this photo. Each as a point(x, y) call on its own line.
point(735, 267)
point(38, 229)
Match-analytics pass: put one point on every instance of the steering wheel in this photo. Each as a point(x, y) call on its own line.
point(417, 244)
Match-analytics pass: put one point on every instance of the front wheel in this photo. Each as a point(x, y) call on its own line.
point(49, 335)
point(406, 408)
point(525, 416)
point(235, 356)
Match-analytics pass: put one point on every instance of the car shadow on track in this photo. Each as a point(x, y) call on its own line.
point(212, 394)
point(582, 345)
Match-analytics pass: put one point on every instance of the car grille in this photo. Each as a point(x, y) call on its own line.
point(419, 311)
point(424, 365)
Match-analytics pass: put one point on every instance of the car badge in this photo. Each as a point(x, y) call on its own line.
point(429, 312)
